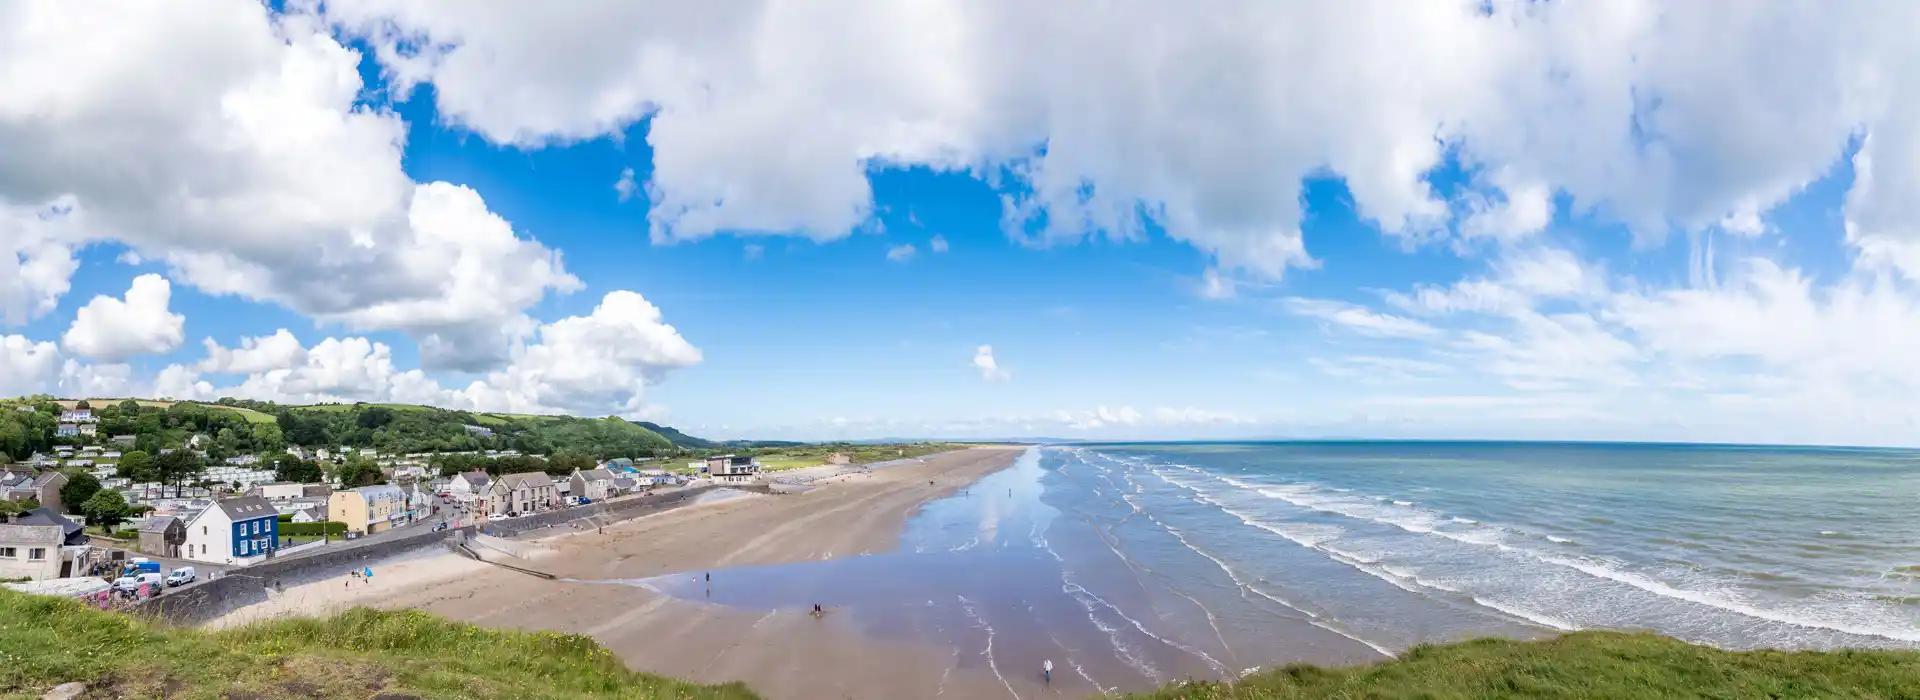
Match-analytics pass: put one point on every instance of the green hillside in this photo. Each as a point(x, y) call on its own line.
point(400, 428)
point(359, 654)
point(679, 439)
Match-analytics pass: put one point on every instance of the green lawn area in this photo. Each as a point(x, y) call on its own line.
point(358, 654)
point(1584, 665)
point(251, 415)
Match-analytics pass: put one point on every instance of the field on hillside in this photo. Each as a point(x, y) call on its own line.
point(251, 415)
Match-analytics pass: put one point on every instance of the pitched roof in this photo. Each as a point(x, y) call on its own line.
point(32, 534)
point(475, 478)
point(45, 516)
point(596, 475)
point(158, 523)
point(46, 478)
point(246, 508)
point(532, 480)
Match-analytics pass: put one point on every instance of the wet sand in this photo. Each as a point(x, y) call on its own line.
point(783, 653)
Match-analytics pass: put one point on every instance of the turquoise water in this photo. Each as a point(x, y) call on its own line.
point(1134, 565)
point(1409, 542)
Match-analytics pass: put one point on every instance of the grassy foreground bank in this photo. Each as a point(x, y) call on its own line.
point(400, 655)
point(359, 654)
point(1585, 665)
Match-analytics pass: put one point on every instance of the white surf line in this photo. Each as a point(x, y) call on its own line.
point(1067, 653)
point(1643, 583)
point(988, 652)
point(1109, 541)
point(1215, 663)
point(1120, 648)
point(1168, 585)
point(1312, 617)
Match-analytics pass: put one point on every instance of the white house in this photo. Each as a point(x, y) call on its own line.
point(31, 551)
point(315, 514)
point(83, 415)
point(731, 469)
point(234, 531)
point(468, 485)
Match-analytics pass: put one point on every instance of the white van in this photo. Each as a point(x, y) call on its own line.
point(131, 584)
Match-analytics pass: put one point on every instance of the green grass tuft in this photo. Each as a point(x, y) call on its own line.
point(46, 641)
point(1583, 665)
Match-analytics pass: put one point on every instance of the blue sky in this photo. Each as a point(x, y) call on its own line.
point(1210, 242)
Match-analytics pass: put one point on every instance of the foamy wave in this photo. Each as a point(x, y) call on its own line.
point(1528, 615)
point(1714, 601)
point(1558, 540)
point(992, 664)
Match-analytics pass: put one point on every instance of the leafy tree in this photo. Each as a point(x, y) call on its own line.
point(130, 406)
point(82, 405)
point(136, 465)
point(106, 509)
point(357, 471)
point(374, 418)
point(178, 466)
point(287, 467)
point(81, 485)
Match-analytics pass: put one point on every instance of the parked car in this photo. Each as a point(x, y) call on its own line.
point(132, 583)
point(586, 501)
point(181, 576)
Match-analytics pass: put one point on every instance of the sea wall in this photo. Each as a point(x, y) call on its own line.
point(238, 588)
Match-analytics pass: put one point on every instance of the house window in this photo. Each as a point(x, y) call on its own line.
point(8, 553)
point(37, 554)
point(243, 547)
point(203, 530)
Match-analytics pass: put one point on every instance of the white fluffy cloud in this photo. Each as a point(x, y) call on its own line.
point(29, 367)
point(225, 141)
point(255, 355)
point(1657, 112)
point(113, 330)
point(598, 364)
point(937, 244)
point(989, 368)
point(900, 253)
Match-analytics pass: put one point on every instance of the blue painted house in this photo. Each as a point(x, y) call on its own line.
point(233, 531)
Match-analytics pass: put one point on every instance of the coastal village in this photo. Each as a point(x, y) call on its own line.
point(91, 515)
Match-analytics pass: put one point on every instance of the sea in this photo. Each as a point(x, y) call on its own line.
point(1129, 566)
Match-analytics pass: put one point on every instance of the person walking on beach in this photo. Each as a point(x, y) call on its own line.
point(1046, 671)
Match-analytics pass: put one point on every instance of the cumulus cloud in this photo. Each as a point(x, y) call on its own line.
point(900, 253)
point(598, 364)
point(938, 244)
point(989, 367)
point(1660, 113)
point(226, 141)
point(112, 330)
point(255, 355)
point(30, 367)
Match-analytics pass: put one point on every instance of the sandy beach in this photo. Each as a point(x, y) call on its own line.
point(786, 653)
